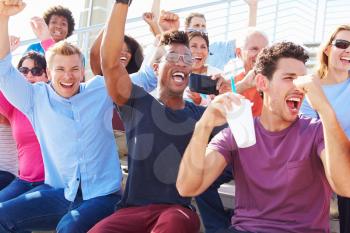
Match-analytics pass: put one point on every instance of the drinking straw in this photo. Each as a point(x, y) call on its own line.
point(233, 86)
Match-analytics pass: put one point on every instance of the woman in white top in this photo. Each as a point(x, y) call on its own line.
point(8, 154)
point(199, 46)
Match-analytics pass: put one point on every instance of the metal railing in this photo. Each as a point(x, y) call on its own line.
point(307, 22)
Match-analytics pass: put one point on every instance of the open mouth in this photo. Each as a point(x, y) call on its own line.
point(123, 59)
point(198, 59)
point(294, 104)
point(66, 85)
point(178, 77)
point(57, 33)
point(345, 59)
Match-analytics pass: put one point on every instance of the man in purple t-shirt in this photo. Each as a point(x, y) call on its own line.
point(284, 181)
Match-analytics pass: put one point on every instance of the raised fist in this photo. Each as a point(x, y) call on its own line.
point(168, 21)
point(149, 18)
point(11, 7)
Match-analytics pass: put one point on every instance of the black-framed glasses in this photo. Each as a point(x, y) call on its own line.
point(36, 71)
point(341, 44)
point(175, 57)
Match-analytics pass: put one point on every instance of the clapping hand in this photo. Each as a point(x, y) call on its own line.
point(40, 28)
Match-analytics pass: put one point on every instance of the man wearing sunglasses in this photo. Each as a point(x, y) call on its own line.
point(158, 131)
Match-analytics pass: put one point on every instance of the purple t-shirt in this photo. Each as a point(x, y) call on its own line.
point(280, 181)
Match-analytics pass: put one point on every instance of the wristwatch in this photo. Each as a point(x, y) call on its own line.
point(124, 1)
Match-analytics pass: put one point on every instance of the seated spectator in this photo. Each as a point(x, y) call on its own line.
point(131, 56)
point(8, 154)
point(31, 168)
point(220, 52)
point(211, 209)
point(199, 44)
point(60, 23)
point(82, 170)
point(249, 45)
point(333, 67)
point(292, 161)
point(157, 132)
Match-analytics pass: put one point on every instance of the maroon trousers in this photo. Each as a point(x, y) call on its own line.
point(150, 219)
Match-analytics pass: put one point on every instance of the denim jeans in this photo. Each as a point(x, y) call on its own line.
point(5, 179)
point(16, 188)
point(45, 208)
point(213, 214)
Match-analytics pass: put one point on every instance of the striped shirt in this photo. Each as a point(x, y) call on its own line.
point(8, 151)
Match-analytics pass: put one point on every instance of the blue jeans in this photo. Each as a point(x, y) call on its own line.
point(16, 188)
point(45, 208)
point(213, 214)
point(5, 179)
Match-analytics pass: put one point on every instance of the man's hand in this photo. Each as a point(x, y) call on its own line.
point(40, 28)
point(247, 82)
point(14, 42)
point(222, 85)
point(11, 7)
point(310, 85)
point(194, 96)
point(149, 18)
point(215, 114)
point(168, 21)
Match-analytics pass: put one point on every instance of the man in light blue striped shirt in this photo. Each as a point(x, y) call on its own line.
point(73, 122)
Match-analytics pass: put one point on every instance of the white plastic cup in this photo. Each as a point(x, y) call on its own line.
point(241, 123)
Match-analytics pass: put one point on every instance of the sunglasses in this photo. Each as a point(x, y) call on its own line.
point(36, 71)
point(341, 44)
point(175, 57)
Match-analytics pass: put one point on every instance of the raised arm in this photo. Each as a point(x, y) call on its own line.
point(252, 11)
point(201, 166)
point(12, 83)
point(336, 154)
point(41, 30)
point(117, 78)
point(151, 18)
point(95, 55)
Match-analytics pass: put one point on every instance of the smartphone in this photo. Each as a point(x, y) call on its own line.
point(203, 84)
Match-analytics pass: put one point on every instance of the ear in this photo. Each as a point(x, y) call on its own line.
point(239, 52)
point(262, 82)
point(48, 73)
point(156, 68)
point(327, 50)
point(82, 77)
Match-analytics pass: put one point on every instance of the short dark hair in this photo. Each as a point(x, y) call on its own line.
point(266, 62)
point(136, 54)
point(60, 11)
point(191, 35)
point(39, 60)
point(174, 37)
point(191, 16)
